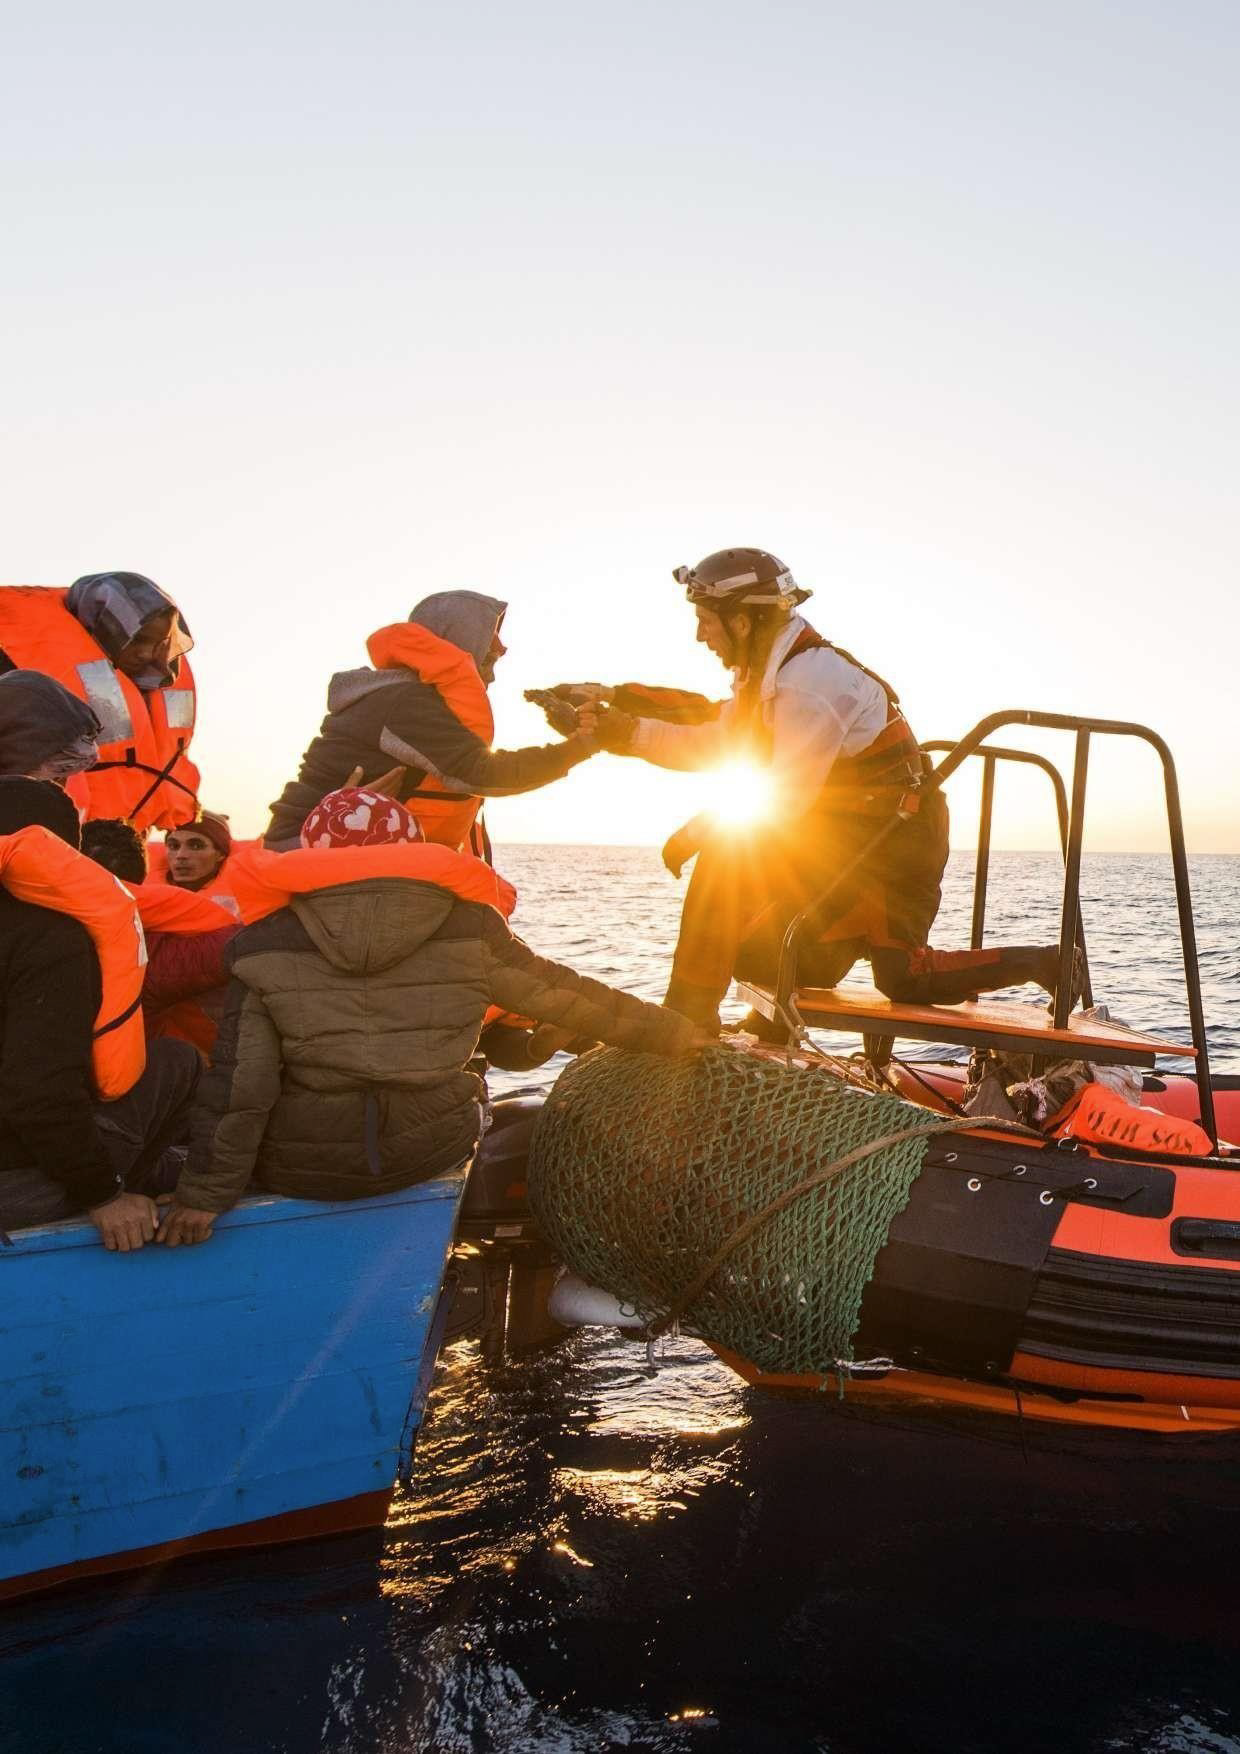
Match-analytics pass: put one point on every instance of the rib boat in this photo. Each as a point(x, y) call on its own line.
point(1050, 1281)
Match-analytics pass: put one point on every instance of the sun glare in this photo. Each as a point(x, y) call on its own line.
point(739, 793)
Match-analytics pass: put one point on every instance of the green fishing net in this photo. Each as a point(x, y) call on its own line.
point(641, 1168)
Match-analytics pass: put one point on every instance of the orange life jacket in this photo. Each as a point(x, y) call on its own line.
point(218, 890)
point(144, 735)
point(1101, 1116)
point(264, 881)
point(162, 907)
point(449, 818)
point(37, 866)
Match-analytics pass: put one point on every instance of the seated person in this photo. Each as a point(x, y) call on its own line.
point(62, 1150)
point(341, 1065)
point(196, 850)
point(46, 733)
point(187, 940)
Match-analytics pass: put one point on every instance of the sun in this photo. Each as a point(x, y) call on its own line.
point(739, 793)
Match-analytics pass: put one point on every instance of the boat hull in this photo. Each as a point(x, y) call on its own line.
point(266, 1386)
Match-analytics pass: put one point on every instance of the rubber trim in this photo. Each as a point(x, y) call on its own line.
point(1134, 1315)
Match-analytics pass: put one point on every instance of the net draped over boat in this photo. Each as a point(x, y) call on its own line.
point(642, 1168)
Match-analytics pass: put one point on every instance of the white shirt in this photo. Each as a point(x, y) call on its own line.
point(818, 707)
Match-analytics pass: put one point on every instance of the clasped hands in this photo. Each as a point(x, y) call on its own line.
point(584, 709)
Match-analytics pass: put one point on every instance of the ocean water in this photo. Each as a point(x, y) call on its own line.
point(594, 1557)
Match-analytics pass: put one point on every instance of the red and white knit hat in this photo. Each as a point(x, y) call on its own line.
point(357, 817)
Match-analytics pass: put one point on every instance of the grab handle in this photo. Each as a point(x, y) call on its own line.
point(1207, 1238)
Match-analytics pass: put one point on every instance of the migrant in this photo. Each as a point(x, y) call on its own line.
point(359, 994)
point(89, 1115)
point(421, 720)
point(120, 645)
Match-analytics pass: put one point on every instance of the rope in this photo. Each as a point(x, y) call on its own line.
point(648, 1175)
point(756, 1220)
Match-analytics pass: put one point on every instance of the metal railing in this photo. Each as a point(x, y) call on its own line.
point(1072, 832)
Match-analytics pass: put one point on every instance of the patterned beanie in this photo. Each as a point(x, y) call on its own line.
point(357, 817)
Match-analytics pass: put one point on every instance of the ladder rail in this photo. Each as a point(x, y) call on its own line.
point(1072, 838)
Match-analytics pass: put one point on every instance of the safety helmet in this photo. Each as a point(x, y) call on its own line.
point(734, 577)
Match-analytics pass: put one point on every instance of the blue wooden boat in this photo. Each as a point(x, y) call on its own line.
point(266, 1386)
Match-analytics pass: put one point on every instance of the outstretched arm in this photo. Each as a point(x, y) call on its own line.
point(524, 982)
point(428, 738)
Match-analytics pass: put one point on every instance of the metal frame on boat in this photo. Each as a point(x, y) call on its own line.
point(993, 1024)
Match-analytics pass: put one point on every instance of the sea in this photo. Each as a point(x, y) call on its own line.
point(598, 1554)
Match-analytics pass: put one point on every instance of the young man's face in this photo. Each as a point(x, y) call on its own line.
point(192, 859)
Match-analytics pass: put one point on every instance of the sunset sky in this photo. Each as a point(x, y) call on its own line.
point(310, 310)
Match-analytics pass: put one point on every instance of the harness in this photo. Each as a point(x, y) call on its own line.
point(887, 774)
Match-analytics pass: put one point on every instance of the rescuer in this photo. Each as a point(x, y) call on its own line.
point(842, 761)
point(117, 642)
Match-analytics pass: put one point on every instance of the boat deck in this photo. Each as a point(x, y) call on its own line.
point(1003, 1024)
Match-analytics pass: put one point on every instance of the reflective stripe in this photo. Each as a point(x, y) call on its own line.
point(106, 698)
point(179, 708)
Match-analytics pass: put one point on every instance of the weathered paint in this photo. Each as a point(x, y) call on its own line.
point(156, 1397)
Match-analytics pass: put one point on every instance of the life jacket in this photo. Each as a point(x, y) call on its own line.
point(1101, 1116)
point(264, 881)
point(218, 890)
point(449, 818)
point(877, 780)
point(162, 907)
point(144, 735)
point(38, 867)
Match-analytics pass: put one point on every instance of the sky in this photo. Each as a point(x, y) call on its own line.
point(308, 311)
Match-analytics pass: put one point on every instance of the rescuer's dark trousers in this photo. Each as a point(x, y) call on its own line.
point(747, 887)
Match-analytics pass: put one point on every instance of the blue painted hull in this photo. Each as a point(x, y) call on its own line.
point(198, 1397)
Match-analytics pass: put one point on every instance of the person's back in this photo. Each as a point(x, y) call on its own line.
point(50, 992)
point(86, 1113)
point(341, 1068)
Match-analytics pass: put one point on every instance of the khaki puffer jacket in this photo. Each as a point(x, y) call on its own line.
point(340, 1065)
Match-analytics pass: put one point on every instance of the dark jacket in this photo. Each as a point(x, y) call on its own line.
point(340, 1068)
point(379, 718)
point(50, 993)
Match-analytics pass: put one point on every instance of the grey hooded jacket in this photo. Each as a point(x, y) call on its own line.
point(379, 719)
point(340, 1066)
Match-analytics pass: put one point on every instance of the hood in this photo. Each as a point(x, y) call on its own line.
point(349, 686)
point(364, 928)
point(40, 719)
point(112, 606)
point(464, 618)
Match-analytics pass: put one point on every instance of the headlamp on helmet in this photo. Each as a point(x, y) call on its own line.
point(735, 578)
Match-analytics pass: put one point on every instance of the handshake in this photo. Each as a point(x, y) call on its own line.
point(584, 709)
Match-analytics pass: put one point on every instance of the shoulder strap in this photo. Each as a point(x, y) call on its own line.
point(809, 640)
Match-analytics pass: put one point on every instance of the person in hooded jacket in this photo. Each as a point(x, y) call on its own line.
point(46, 733)
point(419, 724)
point(342, 1064)
point(118, 643)
point(64, 1149)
